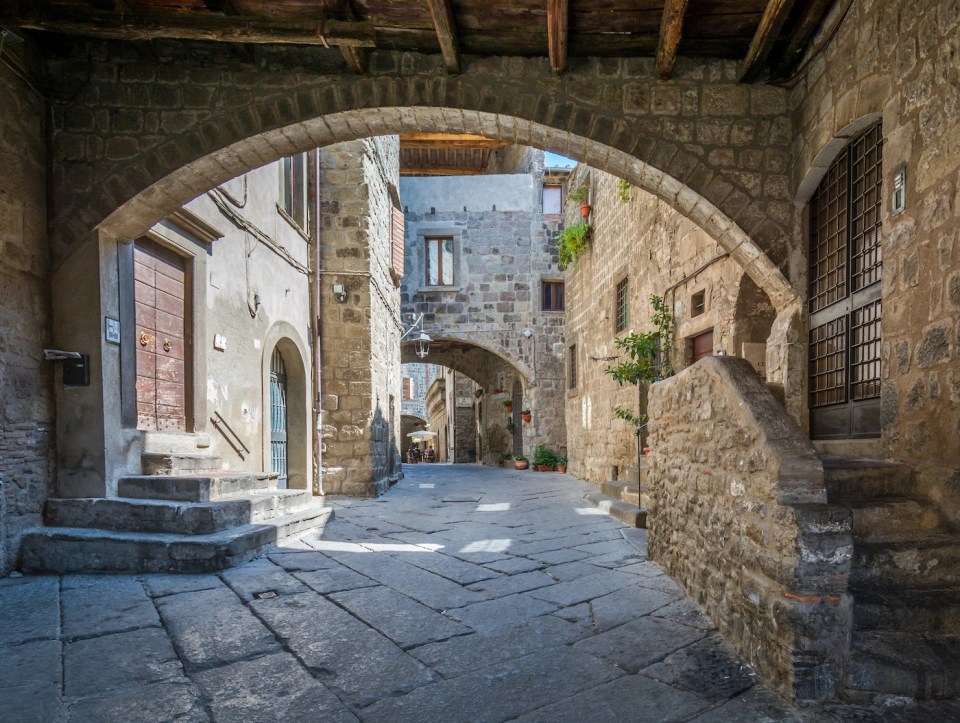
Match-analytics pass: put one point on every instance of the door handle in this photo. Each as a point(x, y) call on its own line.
point(145, 338)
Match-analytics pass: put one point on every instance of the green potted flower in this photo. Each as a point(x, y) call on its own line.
point(581, 194)
point(573, 242)
point(562, 463)
point(544, 459)
point(521, 462)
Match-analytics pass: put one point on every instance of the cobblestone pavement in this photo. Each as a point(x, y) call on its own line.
point(465, 594)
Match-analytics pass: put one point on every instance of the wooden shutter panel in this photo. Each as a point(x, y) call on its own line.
point(396, 245)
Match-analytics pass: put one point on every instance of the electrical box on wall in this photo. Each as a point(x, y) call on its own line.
point(76, 372)
point(756, 354)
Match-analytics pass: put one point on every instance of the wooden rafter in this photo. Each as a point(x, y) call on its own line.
point(195, 26)
point(671, 31)
point(803, 29)
point(357, 59)
point(768, 32)
point(558, 19)
point(442, 13)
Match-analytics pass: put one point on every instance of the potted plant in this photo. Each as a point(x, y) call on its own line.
point(504, 459)
point(581, 194)
point(526, 415)
point(511, 426)
point(573, 242)
point(520, 462)
point(508, 404)
point(562, 463)
point(544, 459)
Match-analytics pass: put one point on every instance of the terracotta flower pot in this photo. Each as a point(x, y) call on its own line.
point(562, 468)
point(585, 209)
point(521, 464)
point(526, 417)
point(544, 468)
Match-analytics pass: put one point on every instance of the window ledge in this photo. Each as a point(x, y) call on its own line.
point(438, 289)
point(290, 220)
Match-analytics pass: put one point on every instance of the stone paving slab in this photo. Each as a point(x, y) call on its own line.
point(499, 692)
point(632, 698)
point(272, 688)
point(405, 621)
point(621, 645)
point(502, 612)
point(513, 565)
point(301, 561)
point(261, 576)
point(29, 610)
point(160, 585)
point(460, 655)
point(622, 606)
point(138, 657)
point(349, 657)
point(167, 701)
point(334, 580)
point(585, 588)
point(709, 666)
point(30, 682)
point(452, 568)
point(212, 627)
point(110, 607)
point(511, 584)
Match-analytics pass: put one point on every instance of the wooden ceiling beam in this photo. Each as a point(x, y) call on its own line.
point(803, 29)
point(442, 13)
point(671, 31)
point(193, 26)
point(768, 33)
point(357, 59)
point(558, 23)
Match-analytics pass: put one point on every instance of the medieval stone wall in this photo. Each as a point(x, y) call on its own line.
point(738, 518)
point(660, 253)
point(898, 62)
point(360, 337)
point(502, 251)
point(26, 381)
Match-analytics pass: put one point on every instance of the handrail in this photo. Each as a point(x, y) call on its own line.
point(218, 420)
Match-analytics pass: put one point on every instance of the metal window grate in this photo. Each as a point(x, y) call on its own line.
point(621, 315)
point(828, 363)
point(865, 352)
point(572, 367)
point(865, 188)
point(828, 236)
point(278, 417)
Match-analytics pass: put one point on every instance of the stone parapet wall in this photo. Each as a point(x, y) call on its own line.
point(739, 518)
point(26, 381)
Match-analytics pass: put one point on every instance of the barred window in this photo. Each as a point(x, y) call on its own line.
point(572, 367)
point(621, 318)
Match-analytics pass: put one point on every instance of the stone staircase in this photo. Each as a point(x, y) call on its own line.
point(623, 499)
point(181, 515)
point(905, 583)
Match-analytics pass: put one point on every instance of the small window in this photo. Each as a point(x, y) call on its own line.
point(621, 318)
point(396, 243)
point(553, 296)
point(439, 260)
point(698, 303)
point(293, 188)
point(409, 388)
point(572, 367)
point(552, 200)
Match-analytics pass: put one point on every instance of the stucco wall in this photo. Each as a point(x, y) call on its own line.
point(898, 62)
point(26, 407)
point(658, 251)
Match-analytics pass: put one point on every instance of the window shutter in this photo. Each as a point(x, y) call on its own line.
point(396, 245)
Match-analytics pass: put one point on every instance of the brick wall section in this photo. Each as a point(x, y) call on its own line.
point(26, 406)
point(898, 62)
point(360, 338)
point(655, 249)
point(738, 518)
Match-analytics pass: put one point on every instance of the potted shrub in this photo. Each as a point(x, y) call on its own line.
point(562, 463)
point(525, 415)
point(508, 404)
point(581, 194)
point(511, 426)
point(544, 459)
point(572, 243)
point(520, 462)
point(504, 459)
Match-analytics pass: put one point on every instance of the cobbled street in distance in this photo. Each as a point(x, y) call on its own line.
point(464, 594)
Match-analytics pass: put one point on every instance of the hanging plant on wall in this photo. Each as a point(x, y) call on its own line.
point(572, 242)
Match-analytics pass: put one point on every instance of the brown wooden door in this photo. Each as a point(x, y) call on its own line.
point(702, 346)
point(160, 338)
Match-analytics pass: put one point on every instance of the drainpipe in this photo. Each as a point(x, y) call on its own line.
point(315, 327)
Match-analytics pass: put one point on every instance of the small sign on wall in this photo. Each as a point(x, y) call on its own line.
point(219, 342)
point(111, 330)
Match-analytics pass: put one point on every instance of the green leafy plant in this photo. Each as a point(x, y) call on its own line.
point(649, 360)
point(572, 242)
point(508, 403)
point(578, 194)
point(623, 190)
point(544, 457)
point(520, 458)
point(511, 426)
point(561, 460)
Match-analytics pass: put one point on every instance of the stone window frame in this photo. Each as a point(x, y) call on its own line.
point(698, 303)
point(456, 234)
point(544, 283)
point(543, 205)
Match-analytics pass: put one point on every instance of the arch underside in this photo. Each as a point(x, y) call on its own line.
point(483, 366)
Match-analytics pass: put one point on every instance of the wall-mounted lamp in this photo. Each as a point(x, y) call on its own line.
point(421, 341)
point(422, 344)
point(340, 292)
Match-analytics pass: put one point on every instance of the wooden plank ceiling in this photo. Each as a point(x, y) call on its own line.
point(444, 154)
point(768, 36)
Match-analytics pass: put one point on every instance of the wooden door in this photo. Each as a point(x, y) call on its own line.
point(160, 337)
point(702, 346)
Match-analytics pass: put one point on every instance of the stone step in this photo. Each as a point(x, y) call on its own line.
point(865, 479)
point(194, 488)
point(625, 512)
point(626, 491)
point(921, 667)
point(916, 610)
point(635, 475)
point(181, 518)
point(906, 559)
point(175, 442)
point(169, 463)
point(75, 549)
point(885, 516)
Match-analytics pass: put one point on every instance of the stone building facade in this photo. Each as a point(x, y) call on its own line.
point(640, 247)
point(26, 381)
point(360, 330)
point(484, 310)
